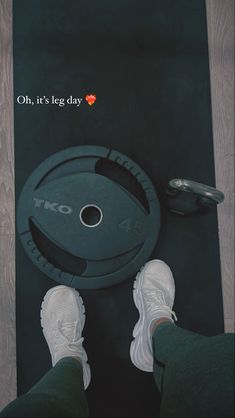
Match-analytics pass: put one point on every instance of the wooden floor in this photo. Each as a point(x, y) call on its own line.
point(220, 16)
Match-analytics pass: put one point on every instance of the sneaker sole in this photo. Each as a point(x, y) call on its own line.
point(140, 350)
point(81, 307)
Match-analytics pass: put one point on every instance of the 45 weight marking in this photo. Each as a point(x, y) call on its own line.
point(129, 225)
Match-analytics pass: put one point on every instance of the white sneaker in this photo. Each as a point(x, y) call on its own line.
point(154, 292)
point(62, 320)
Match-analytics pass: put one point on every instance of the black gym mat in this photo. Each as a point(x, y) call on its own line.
point(147, 62)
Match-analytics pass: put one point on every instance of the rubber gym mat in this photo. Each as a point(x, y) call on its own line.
point(148, 65)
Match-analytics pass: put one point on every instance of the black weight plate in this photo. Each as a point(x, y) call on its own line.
point(88, 217)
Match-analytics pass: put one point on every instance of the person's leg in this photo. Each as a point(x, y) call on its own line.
point(193, 372)
point(171, 342)
point(61, 392)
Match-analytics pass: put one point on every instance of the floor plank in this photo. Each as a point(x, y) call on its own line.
point(7, 320)
point(220, 16)
point(7, 208)
point(6, 121)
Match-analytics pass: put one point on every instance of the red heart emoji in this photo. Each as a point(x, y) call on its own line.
point(90, 98)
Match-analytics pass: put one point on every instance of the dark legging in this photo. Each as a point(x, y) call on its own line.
point(194, 374)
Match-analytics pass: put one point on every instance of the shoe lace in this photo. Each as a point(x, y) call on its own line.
point(66, 334)
point(157, 302)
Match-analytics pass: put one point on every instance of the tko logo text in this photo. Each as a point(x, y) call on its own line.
point(54, 206)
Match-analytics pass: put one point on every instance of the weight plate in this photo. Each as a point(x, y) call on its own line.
point(88, 217)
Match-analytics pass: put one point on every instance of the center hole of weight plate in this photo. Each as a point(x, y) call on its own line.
point(91, 216)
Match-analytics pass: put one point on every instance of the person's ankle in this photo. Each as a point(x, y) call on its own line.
point(77, 358)
point(158, 322)
point(69, 358)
